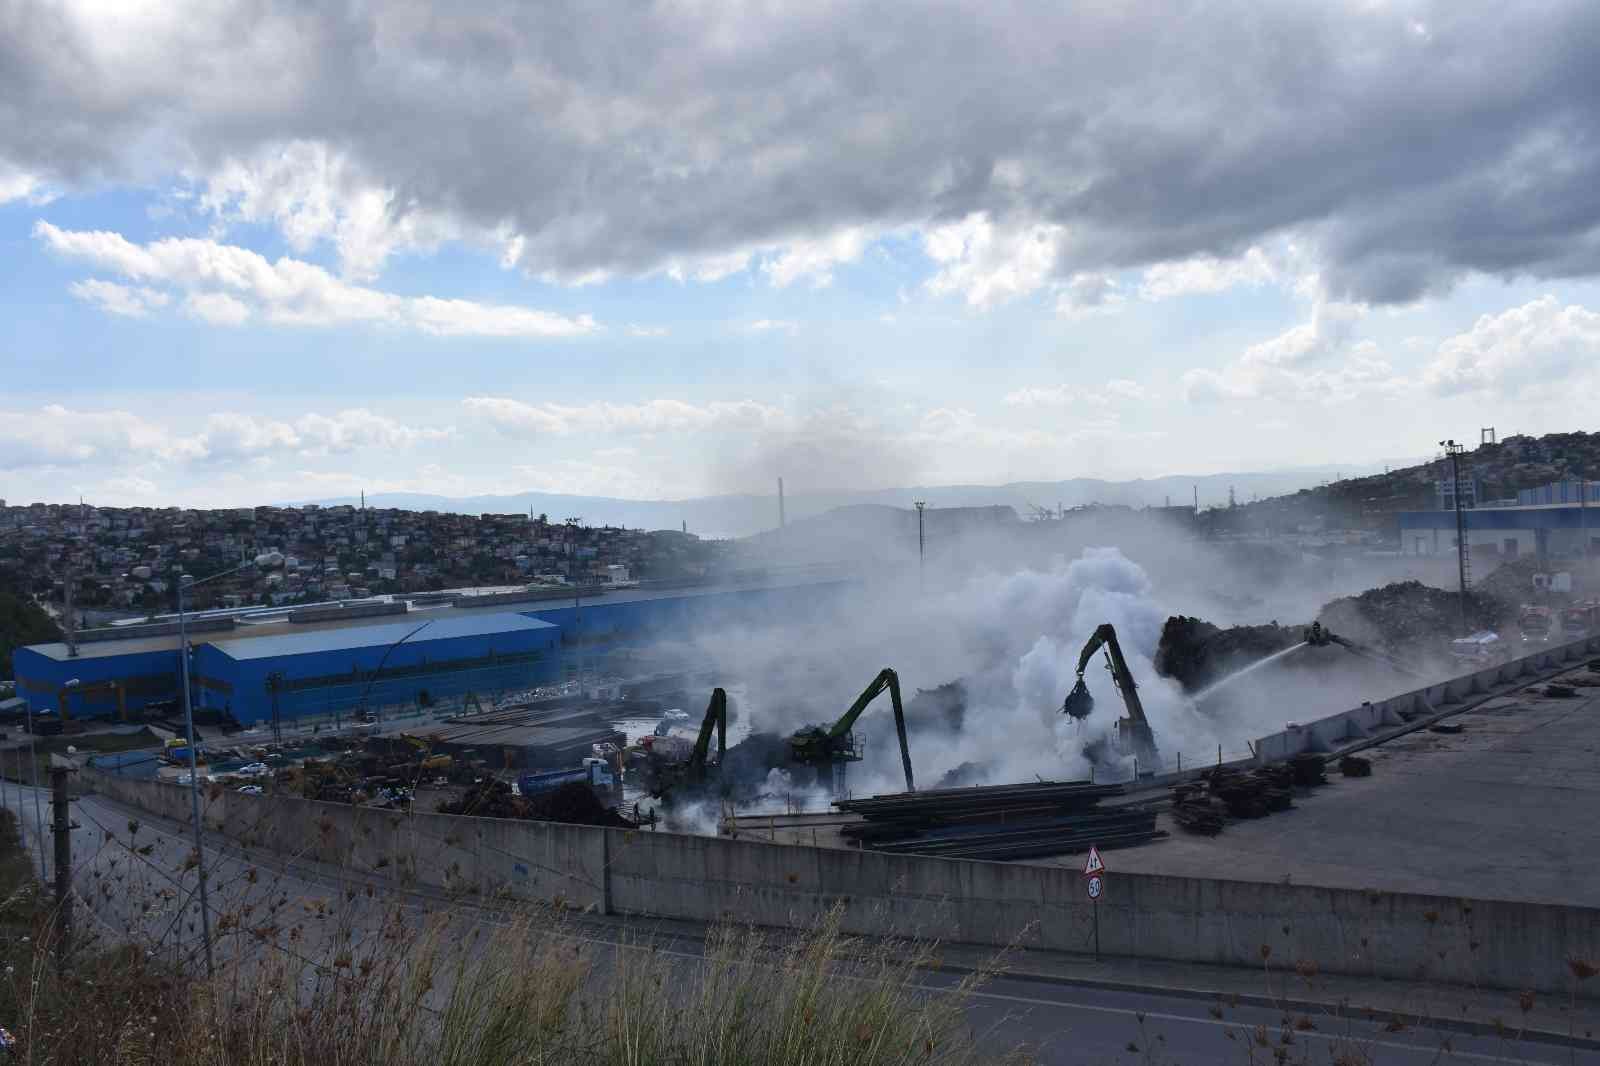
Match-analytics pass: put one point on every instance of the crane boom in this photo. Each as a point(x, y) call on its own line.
point(1135, 729)
point(816, 746)
point(886, 679)
point(716, 714)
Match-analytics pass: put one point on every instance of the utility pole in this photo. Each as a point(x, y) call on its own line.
point(921, 582)
point(62, 827)
point(1454, 450)
point(194, 776)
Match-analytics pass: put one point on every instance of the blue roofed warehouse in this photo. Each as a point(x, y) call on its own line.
point(406, 662)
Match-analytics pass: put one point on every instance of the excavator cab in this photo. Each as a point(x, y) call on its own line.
point(835, 746)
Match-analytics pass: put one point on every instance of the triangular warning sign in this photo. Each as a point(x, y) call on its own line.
point(1093, 865)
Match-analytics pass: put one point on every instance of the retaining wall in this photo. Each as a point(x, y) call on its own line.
point(1371, 719)
point(1378, 934)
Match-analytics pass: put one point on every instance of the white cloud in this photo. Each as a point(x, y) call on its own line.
point(814, 260)
point(19, 184)
point(577, 477)
point(709, 267)
point(655, 416)
point(217, 308)
point(312, 194)
point(1113, 391)
point(1540, 344)
point(989, 265)
point(1050, 396)
point(118, 299)
point(293, 292)
point(57, 436)
point(1286, 366)
point(232, 435)
point(960, 434)
point(130, 485)
point(1206, 274)
point(1089, 293)
point(773, 325)
point(464, 318)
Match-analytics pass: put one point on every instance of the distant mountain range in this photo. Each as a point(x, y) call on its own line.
point(743, 515)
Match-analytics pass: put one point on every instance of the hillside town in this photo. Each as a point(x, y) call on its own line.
point(124, 560)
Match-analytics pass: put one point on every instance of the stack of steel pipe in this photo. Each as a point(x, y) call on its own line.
point(999, 822)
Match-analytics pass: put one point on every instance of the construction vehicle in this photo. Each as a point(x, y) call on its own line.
point(594, 772)
point(1580, 619)
point(835, 746)
point(1133, 733)
point(663, 761)
point(1535, 622)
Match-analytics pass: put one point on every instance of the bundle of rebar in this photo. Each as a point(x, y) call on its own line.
point(991, 799)
point(998, 822)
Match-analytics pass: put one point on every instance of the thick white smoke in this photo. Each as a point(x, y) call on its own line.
point(1011, 633)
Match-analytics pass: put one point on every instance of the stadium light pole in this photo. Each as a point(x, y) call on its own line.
point(1454, 450)
point(921, 581)
point(268, 560)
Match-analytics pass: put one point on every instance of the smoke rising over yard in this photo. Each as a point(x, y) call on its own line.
point(1006, 610)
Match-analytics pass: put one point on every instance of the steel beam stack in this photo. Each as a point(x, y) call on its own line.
point(999, 822)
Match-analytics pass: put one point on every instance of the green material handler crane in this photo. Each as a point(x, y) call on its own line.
point(819, 746)
point(1134, 735)
point(663, 772)
point(716, 715)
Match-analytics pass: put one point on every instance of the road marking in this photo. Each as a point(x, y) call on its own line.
point(1224, 1024)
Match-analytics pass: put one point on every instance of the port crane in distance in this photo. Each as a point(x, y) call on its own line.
point(826, 746)
point(1134, 735)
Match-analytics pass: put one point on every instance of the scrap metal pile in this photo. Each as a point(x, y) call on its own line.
point(998, 822)
point(1203, 806)
point(574, 803)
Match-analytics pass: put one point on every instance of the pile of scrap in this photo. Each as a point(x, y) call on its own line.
point(1202, 806)
point(1408, 617)
point(574, 803)
point(1196, 653)
point(998, 822)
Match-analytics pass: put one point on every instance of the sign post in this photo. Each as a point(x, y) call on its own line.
point(1094, 869)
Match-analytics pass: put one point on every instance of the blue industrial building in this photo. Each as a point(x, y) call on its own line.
point(1543, 530)
point(255, 664)
point(338, 670)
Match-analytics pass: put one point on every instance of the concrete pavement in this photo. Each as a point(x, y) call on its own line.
point(1501, 809)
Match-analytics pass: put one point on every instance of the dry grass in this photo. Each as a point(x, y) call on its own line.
point(464, 987)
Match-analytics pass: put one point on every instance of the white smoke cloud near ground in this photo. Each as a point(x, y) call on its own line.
point(1012, 638)
point(1005, 607)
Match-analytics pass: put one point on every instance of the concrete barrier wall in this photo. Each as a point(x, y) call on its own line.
point(1326, 734)
point(1374, 934)
point(473, 856)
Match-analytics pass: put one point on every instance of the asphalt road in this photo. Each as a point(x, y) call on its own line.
point(138, 884)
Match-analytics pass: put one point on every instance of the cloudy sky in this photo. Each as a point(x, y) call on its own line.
point(267, 250)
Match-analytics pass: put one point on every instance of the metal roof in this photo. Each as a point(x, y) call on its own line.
point(278, 628)
point(378, 636)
